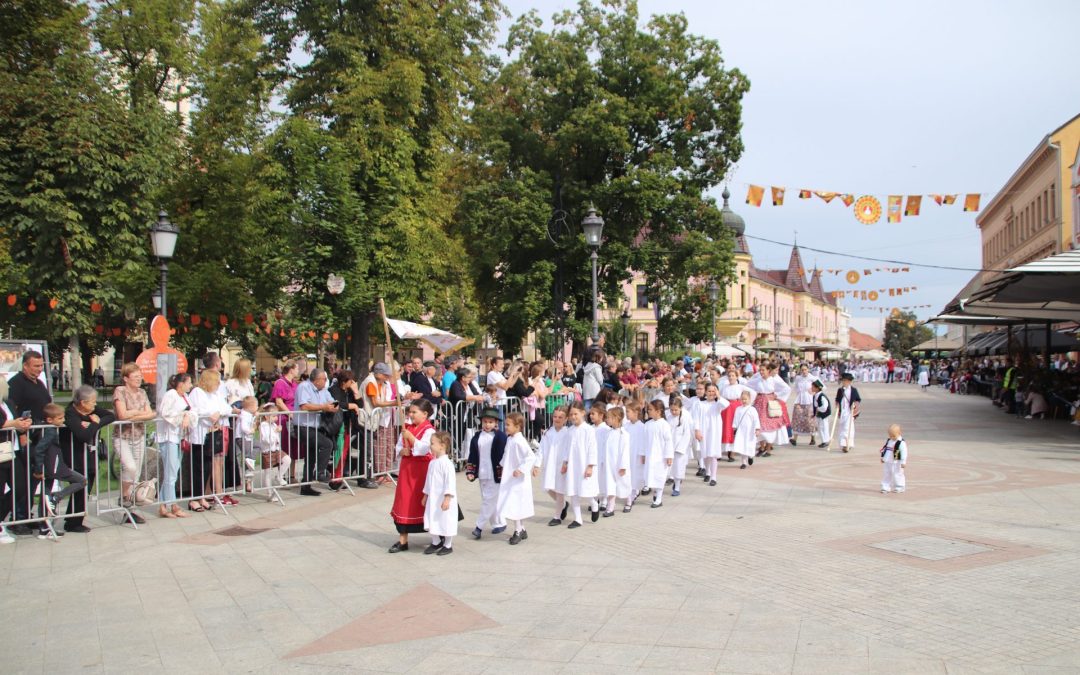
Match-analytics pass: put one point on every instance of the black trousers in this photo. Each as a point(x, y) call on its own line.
point(75, 458)
point(202, 467)
point(55, 469)
point(316, 448)
point(6, 502)
point(23, 486)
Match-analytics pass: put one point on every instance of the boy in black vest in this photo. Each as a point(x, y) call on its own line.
point(822, 410)
point(847, 406)
point(484, 463)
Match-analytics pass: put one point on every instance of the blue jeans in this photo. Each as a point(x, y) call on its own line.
point(170, 469)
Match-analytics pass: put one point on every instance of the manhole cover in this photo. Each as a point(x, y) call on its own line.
point(931, 548)
point(240, 531)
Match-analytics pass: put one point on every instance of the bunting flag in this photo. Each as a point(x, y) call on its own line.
point(777, 196)
point(804, 194)
point(868, 210)
point(894, 208)
point(827, 196)
point(914, 202)
point(950, 199)
point(971, 202)
point(847, 199)
point(938, 199)
point(754, 195)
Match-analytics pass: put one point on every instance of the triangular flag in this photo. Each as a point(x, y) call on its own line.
point(827, 196)
point(971, 202)
point(754, 195)
point(866, 273)
point(950, 199)
point(914, 202)
point(804, 194)
point(892, 292)
point(847, 199)
point(777, 196)
point(894, 208)
point(937, 199)
point(905, 269)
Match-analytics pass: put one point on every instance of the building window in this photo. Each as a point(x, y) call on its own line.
point(1053, 202)
point(642, 297)
point(641, 343)
point(742, 295)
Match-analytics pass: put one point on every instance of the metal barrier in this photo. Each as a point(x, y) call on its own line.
point(50, 466)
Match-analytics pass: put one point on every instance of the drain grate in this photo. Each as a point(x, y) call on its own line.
point(240, 531)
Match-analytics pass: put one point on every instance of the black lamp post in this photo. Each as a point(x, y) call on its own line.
point(755, 311)
point(714, 294)
point(625, 316)
point(593, 225)
point(163, 235)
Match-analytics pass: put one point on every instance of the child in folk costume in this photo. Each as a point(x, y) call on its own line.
point(615, 478)
point(732, 392)
point(803, 420)
point(894, 456)
point(847, 405)
point(597, 413)
point(924, 376)
point(440, 497)
point(822, 410)
point(270, 449)
point(746, 427)
point(710, 423)
point(414, 448)
point(485, 463)
point(661, 451)
point(515, 490)
point(639, 441)
point(682, 432)
point(580, 464)
point(771, 404)
point(550, 460)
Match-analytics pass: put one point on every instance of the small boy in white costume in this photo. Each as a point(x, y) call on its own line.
point(894, 456)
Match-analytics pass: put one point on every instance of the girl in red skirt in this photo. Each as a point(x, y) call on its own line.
point(414, 446)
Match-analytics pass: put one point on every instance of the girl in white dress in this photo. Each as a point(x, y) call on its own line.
point(440, 497)
point(803, 421)
point(580, 464)
point(515, 490)
point(550, 460)
point(732, 392)
point(639, 441)
point(682, 430)
point(616, 462)
point(661, 452)
point(747, 426)
point(597, 413)
point(711, 424)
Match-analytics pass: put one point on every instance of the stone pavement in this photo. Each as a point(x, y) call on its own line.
point(797, 565)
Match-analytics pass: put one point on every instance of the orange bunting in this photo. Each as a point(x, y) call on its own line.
point(336, 336)
point(852, 277)
point(249, 319)
point(12, 299)
point(827, 196)
point(971, 202)
point(847, 199)
point(195, 320)
point(53, 303)
point(777, 196)
point(95, 307)
point(754, 195)
point(32, 307)
point(914, 203)
point(950, 199)
point(223, 320)
point(804, 194)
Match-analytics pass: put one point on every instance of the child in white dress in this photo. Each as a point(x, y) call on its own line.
point(639, 441)
point(682, 430)
point(440, 497)
point(597, 413)
point(275, 463)
point(550, 460)
point(616, 462)
point(661, 451)
point(580, 464)
point(747, 427)
point(515, 490)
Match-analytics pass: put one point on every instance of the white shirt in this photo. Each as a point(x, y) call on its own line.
point(238, 390)
point(496, 378)
point(487, 472)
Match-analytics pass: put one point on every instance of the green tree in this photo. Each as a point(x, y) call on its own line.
point(902, 332)
point(641, 122)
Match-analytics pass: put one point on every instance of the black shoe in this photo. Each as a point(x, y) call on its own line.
point(445, 551)
point(335, 485)
point(309, 491)
point(562, 516)
point(595, 515)
point(712, 483)
point(524, 535)
point(498, 530)
point(324, 477)
point(646, 491)
point(700, 472)
point(669, 481)
point(26, 530)
point(398, 547)
point(477, 533)
point(433, 548)
point(573, 525)
point(705, 479)
point(554, 521)
point(656, 506)
point(515, 539)
point(743, 466)
point(794, 442)
point(731, 459)
point(750, 461)
point(82, 529)
point(367, 484)
point(823, 445)
point(134, 518)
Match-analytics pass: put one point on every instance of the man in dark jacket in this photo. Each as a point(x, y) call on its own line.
point(423, 383)
point(78, 442)
point(27, 394)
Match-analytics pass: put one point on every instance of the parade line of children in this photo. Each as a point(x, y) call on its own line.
point(616, 451)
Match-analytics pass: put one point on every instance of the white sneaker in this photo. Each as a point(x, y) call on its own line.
point(6, 538)
point(1027, 417)
point(884, 492)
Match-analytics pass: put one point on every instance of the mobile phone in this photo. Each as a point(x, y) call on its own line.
point(26, 415)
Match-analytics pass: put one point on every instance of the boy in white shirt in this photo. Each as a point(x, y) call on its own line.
point(894, 456)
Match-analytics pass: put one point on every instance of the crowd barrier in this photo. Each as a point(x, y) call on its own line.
point(28, 481)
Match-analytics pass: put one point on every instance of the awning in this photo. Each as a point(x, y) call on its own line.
point(1047, 290)
point(938, 344)
point(997, 342)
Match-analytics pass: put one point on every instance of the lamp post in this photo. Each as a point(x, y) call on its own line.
point(593, 225)
point(714, 294)
point(755, 311)
point(625, 316)
point(155, 297)
point(163, 235)
point(335, 284)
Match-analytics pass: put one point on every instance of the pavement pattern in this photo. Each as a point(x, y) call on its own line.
point(796, 565)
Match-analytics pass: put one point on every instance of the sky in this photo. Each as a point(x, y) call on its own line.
point(879, 98)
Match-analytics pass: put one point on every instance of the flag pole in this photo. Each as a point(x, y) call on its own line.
point(389, 355)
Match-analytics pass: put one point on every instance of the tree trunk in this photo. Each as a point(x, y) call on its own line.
point(75, 359)
point(86, 365)
point(360, 344)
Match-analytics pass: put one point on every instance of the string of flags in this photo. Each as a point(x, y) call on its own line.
point(895, 310)
point(868, 208)
point(866, 272)
point(873, 295)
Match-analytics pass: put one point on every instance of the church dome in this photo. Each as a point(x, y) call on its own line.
point(730, 218)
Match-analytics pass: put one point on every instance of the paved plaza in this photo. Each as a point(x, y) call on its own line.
point(797, 565)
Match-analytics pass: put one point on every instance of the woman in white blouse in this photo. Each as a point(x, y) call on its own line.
point(176, 419)
point(771, 404)
point(206, 436)
point(803, 420)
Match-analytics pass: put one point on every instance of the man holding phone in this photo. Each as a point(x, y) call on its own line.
point(28, 396)
point(316, 446)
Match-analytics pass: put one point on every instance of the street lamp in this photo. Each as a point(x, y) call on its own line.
point(625, 316)
point(163, 235)
point(755, 311)
point(714, 294)
point(593, 225)
point(155, 297)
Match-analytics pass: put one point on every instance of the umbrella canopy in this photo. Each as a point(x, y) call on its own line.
point(938, 344)
point(997, 342)
point(1047, 289)
point(441, 341)
point(728, 351)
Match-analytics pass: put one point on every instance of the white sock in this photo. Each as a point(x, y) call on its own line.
point(610, 503)
point(594, 505)
point(447, 542)
point(519, 526)
point(575, 504)
point(436, 540)
point(678, 483)
point(658, 496)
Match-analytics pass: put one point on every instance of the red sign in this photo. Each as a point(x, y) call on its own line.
point(159, 336)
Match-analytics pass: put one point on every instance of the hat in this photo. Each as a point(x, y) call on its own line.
point(818, 384)
point(381, 369)
point(848, 376)
point(490, 412)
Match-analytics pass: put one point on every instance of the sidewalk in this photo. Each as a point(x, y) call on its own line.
point(797, 565)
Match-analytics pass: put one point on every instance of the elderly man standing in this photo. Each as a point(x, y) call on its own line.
point(313, 397)
point(78, 442)
point(423, 382)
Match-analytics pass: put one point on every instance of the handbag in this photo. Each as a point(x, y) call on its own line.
point(774, 409)
point(144, 491)
point(185, 445)
point(7, 451)
point(271, 458)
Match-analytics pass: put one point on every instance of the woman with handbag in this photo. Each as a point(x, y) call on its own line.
point(771, 405)
point(176, 420)
point(133, 410)
point(10, 428)
point(207, 436)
